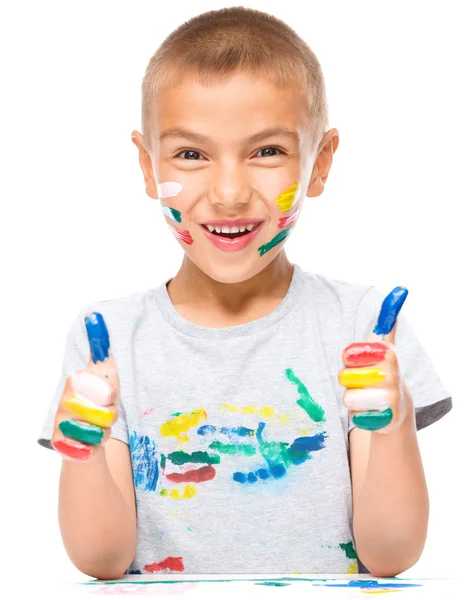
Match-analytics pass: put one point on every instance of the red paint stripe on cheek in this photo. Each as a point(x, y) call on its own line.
point(364, 354)
point(203, 474)
point(72, 449)
point(182, 234)
point(172, 563)
point(288, 221)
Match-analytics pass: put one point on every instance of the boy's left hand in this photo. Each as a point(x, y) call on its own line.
point(376, 395)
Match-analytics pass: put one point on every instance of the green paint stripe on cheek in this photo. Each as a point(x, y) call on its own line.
point(172, 213)
point(282, 235)
point(373, 419)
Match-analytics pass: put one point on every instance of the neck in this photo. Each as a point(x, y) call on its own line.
point(192, 286)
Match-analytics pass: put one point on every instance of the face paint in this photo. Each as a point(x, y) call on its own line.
point(364, 354)
point(372, 419)
point(90, 412)
point(362, 377)
point(390, 308)
point(368, 399)
point(282, 235)
point(168, 189)
point(82, 432)
point(98, 336)
point(182, 234)
point(91, 387)
point(172, 213)
point(289, 197)
point(72, 449)
point(288, 221)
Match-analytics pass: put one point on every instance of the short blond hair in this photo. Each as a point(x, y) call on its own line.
point(217, 43)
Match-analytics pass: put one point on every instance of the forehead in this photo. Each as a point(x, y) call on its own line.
point(230, 109)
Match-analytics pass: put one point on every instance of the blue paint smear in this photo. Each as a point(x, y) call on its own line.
point(137, 572)
point(274, 583)
point(262, 473)
point(229, 431)
point(369, 583)
point(240, 477)
point(205, 429)
point(390, 308)
point(97, 333)
point(144, 460)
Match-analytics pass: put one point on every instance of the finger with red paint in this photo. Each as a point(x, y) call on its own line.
point(89, 404)
point(376, 395)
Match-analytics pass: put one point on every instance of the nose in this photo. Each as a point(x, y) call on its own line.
point(230, 186)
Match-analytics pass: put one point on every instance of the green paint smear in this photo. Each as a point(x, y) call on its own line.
point(282, 235)
point(172, 213)
point(314, 410)
point(81, 432)
point(163, 461)
point(275, 583)
point(373, 419)
point(180, 457)
point(245, 449)
point(176, 414)
point(349, 550)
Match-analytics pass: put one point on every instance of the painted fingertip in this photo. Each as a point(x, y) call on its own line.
point(373, 420)
point(390, 308)
point(97, 333)
point(82, 432)
point(92, 387)
point(72, 449)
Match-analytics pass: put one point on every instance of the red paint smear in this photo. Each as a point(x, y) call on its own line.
point(203, 474)
point(363, 354)
point(288, 221)
point(72, 449)
point(172, 563)
point(182, 234)
point(147, 412)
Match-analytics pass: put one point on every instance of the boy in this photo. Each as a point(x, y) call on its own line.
point(213, 433)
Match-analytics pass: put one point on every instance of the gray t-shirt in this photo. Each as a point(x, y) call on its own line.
point(238, 435)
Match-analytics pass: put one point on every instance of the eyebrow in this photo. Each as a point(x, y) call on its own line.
point(202, 139)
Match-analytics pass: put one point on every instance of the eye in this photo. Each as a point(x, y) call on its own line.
point(272, 151)
point(189, 155)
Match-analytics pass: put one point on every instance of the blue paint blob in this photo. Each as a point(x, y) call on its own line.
point(144, 461)
point(137, 572)
point(390, 308)
point(97, 333)
point(205, 429)
point(262, 473)
point(252, 478)
point(239, 476)
point(240, 431)
point(369, 583)
point(277, 471)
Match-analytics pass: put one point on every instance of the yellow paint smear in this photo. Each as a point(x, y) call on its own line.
point(289, 197)
point(353, 568)
point(182, 423)
point(264, 411)
point(362, 377)
point(379, 591)
point(90, 412)
point(189, 491)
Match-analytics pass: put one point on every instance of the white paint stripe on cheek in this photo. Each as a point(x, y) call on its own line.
point(367, 399)
point(168, 189)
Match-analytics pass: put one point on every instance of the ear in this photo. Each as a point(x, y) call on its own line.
point(146, 164)
point(323, 161)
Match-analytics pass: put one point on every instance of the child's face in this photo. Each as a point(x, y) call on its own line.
point(205, 169)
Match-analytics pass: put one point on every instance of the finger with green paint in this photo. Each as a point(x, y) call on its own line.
point(376, 394)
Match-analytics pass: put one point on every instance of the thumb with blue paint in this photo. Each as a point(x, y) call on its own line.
point(89, 404)
point(376, 395)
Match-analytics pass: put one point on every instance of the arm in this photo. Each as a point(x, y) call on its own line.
point(97, 514)
point(390, 498)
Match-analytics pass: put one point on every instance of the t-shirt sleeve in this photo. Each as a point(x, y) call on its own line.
point(76, 356)
point(431, 400)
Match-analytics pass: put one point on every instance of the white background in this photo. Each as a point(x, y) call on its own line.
point(77, 226)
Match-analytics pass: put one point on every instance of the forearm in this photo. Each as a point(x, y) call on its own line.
point(391, 512)
point(97, 524)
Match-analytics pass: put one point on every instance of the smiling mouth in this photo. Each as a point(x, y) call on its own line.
point(233, 232)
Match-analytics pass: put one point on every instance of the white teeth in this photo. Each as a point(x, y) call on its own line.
point(235, 229)
point(225, 229)
point(217, 229)
point(210, 228)
point(242, 229)
point(250, 227)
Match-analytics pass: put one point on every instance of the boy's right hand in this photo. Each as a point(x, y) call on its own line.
point(89, 404)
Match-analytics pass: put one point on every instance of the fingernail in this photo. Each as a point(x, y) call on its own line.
point(368, 399)
point(81, 432)
point(362, 354)
point(91, 387)
point(98, 336)
point(72, 449)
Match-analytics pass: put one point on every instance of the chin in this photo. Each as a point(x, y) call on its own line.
point(228, 273)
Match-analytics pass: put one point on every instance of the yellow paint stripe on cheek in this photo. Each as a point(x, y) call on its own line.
point(289, 197)
point(359, 378)
point(96, 415)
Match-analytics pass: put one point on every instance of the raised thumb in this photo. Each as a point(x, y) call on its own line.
point(387, 319)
